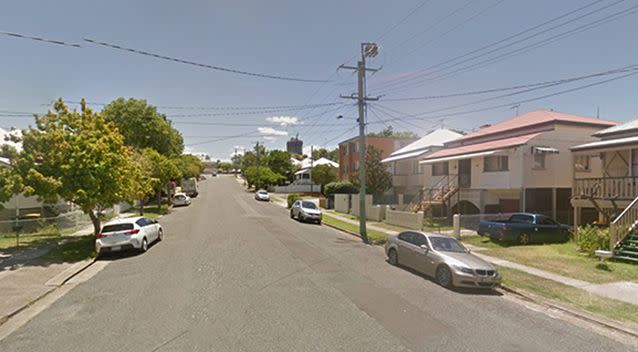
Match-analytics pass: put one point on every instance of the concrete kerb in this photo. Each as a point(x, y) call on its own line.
point(606, 323)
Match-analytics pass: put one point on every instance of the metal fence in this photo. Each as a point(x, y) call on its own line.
point(62, 222)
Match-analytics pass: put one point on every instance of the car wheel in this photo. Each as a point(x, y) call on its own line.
point(144, 246)
point(393, 257)
point(523, 239)
point(318, 222)
point(444, 276)
point(301, 218)
point(160, 235)
point(292, 216)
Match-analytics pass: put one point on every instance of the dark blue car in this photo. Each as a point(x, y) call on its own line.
point(524, 228)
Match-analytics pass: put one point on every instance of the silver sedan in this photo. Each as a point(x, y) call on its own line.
point(441, 257)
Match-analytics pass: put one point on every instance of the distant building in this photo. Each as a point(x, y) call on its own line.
point(349, 151)
point(295, 145)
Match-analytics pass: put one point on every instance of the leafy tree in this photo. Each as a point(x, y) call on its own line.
point(390, 132)
point(10, 184)
point(143, 127)
point(224, 166)
point(378, 178)
point(324, 174)
point(325, 153)
point(80, 157)
point(189, 165)
point(8, 151)
point(161, 170)
point(279, 162)
point(237, 161)
point(261, 178)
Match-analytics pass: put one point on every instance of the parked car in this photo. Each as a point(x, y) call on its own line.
point(304, 210)
point(181, 199)
point(443, 258)
point(262, 195)
point(214, 173)
point(525, 228)
point(189, 186)
point(128, 233)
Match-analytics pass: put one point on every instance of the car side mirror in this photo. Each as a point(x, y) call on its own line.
point(425, 248)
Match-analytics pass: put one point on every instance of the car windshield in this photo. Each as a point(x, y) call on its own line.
point(262, 192)
point(446, 244)
point(117, 227)
point(308, 205)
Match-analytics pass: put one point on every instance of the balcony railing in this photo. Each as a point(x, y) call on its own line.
point(622, 188)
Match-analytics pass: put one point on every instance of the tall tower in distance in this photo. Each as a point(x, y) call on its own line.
point(295, 145)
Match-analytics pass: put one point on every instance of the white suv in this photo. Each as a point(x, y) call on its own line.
point(128, 233)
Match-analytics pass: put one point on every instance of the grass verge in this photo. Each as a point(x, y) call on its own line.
point(571, 296)
point(73, 250)
point(376, 237)
point(29, 240)
point(151, 212)
point(560, 258)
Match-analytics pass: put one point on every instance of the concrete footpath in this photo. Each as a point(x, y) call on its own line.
point(622, 291)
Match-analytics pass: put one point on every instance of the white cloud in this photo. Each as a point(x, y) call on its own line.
point(270, 138)
point(283, 120)
point(269, 131)
point(306, 149)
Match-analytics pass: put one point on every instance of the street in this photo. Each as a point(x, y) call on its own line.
point(234, 274)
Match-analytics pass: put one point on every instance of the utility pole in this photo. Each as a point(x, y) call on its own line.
point(312, 164)
point(367, 50)
point(235, 166)
point(257, 153)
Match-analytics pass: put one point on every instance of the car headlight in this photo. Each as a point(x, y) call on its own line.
point(463, 269)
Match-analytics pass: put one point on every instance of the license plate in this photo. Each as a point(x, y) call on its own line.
point(116, 248)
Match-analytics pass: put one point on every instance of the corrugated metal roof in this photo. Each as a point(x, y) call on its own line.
point(405, 155)
point(534, 118)
point(482, 147)
point(435, 138)
point(627, 126)
point(606, 143)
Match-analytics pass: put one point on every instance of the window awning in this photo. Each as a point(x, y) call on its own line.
point(405, 156)
point(539, 150)
point(459, 157)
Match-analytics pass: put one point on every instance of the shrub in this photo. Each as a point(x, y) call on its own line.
point(590, 238)
point(339, 187)
point(292, 197)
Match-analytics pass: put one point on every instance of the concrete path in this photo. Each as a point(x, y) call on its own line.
point(621, 291)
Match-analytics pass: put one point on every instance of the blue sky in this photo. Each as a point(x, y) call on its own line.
point(305, 39)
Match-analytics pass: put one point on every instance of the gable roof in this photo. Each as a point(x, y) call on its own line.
point(423, 145)
point(535, 118)
point(625, 127)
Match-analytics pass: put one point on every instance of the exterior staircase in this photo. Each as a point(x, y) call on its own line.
point(437, 195)
point(623, 234)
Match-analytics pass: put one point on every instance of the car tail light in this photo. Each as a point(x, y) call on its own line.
point(100, 235)
point(133, 232)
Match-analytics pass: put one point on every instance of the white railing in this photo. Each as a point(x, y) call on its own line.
point(621, 226)
point(623, 188)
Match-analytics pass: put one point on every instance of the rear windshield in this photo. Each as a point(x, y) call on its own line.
point(117, 227)
point(446, 244)
point(309, 205)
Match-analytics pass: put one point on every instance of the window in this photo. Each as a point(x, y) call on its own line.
point(440, 169)
point(495, 163)
point(418, 239)
point(354, 147)
point(417, 168)
point(544, 220)
point(308, 205)
point(117, 227)
point(522, 219)
point(446, 244)
point(539, 161)
point(356, 165)
point(406, 237)
point(344, 150)
point(581, 163)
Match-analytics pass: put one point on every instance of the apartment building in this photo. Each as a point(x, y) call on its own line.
point(349, 152)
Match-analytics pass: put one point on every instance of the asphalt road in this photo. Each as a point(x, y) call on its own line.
point(234, 274)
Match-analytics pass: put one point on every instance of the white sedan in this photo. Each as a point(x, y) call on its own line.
point(181, 199)
point(128, 233)
point(262, 195)
point(304, 210)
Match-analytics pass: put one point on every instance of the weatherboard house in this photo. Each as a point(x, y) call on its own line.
point(520, 164)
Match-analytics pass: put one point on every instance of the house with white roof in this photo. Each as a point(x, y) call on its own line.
point(303, 175)
point(520, 164)
point(408, 177)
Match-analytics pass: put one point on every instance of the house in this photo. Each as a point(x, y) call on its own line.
point(302, 176)
point(349, 151)
point(605, 173)
point(520, 164)
point(408, 177)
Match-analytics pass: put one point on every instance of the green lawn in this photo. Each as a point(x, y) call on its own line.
point(560, 258)
point(571, 296)
point(151, 211)
point(73, 250)
point(376, 237)
point(44, 236)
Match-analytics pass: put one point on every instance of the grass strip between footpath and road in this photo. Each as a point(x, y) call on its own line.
point(42, 237)
point(560, 258)
point(568, 295)
point(375, 237)
point(73, 250)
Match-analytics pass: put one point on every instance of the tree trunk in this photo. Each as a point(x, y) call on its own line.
point(141, 207)
point(95, 219)
point(159, 201)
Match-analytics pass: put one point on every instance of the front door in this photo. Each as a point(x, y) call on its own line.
point(465, 173)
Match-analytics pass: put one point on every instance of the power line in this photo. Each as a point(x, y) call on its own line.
point(508, 38)
point(40, 39)
point(212, 67)
point(173, 107)
point(393, 27)
point(526, 48)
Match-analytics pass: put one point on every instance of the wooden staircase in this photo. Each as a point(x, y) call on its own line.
point(440, 194)
point(623, 234)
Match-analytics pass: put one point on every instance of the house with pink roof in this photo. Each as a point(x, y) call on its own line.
point(520, 164)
